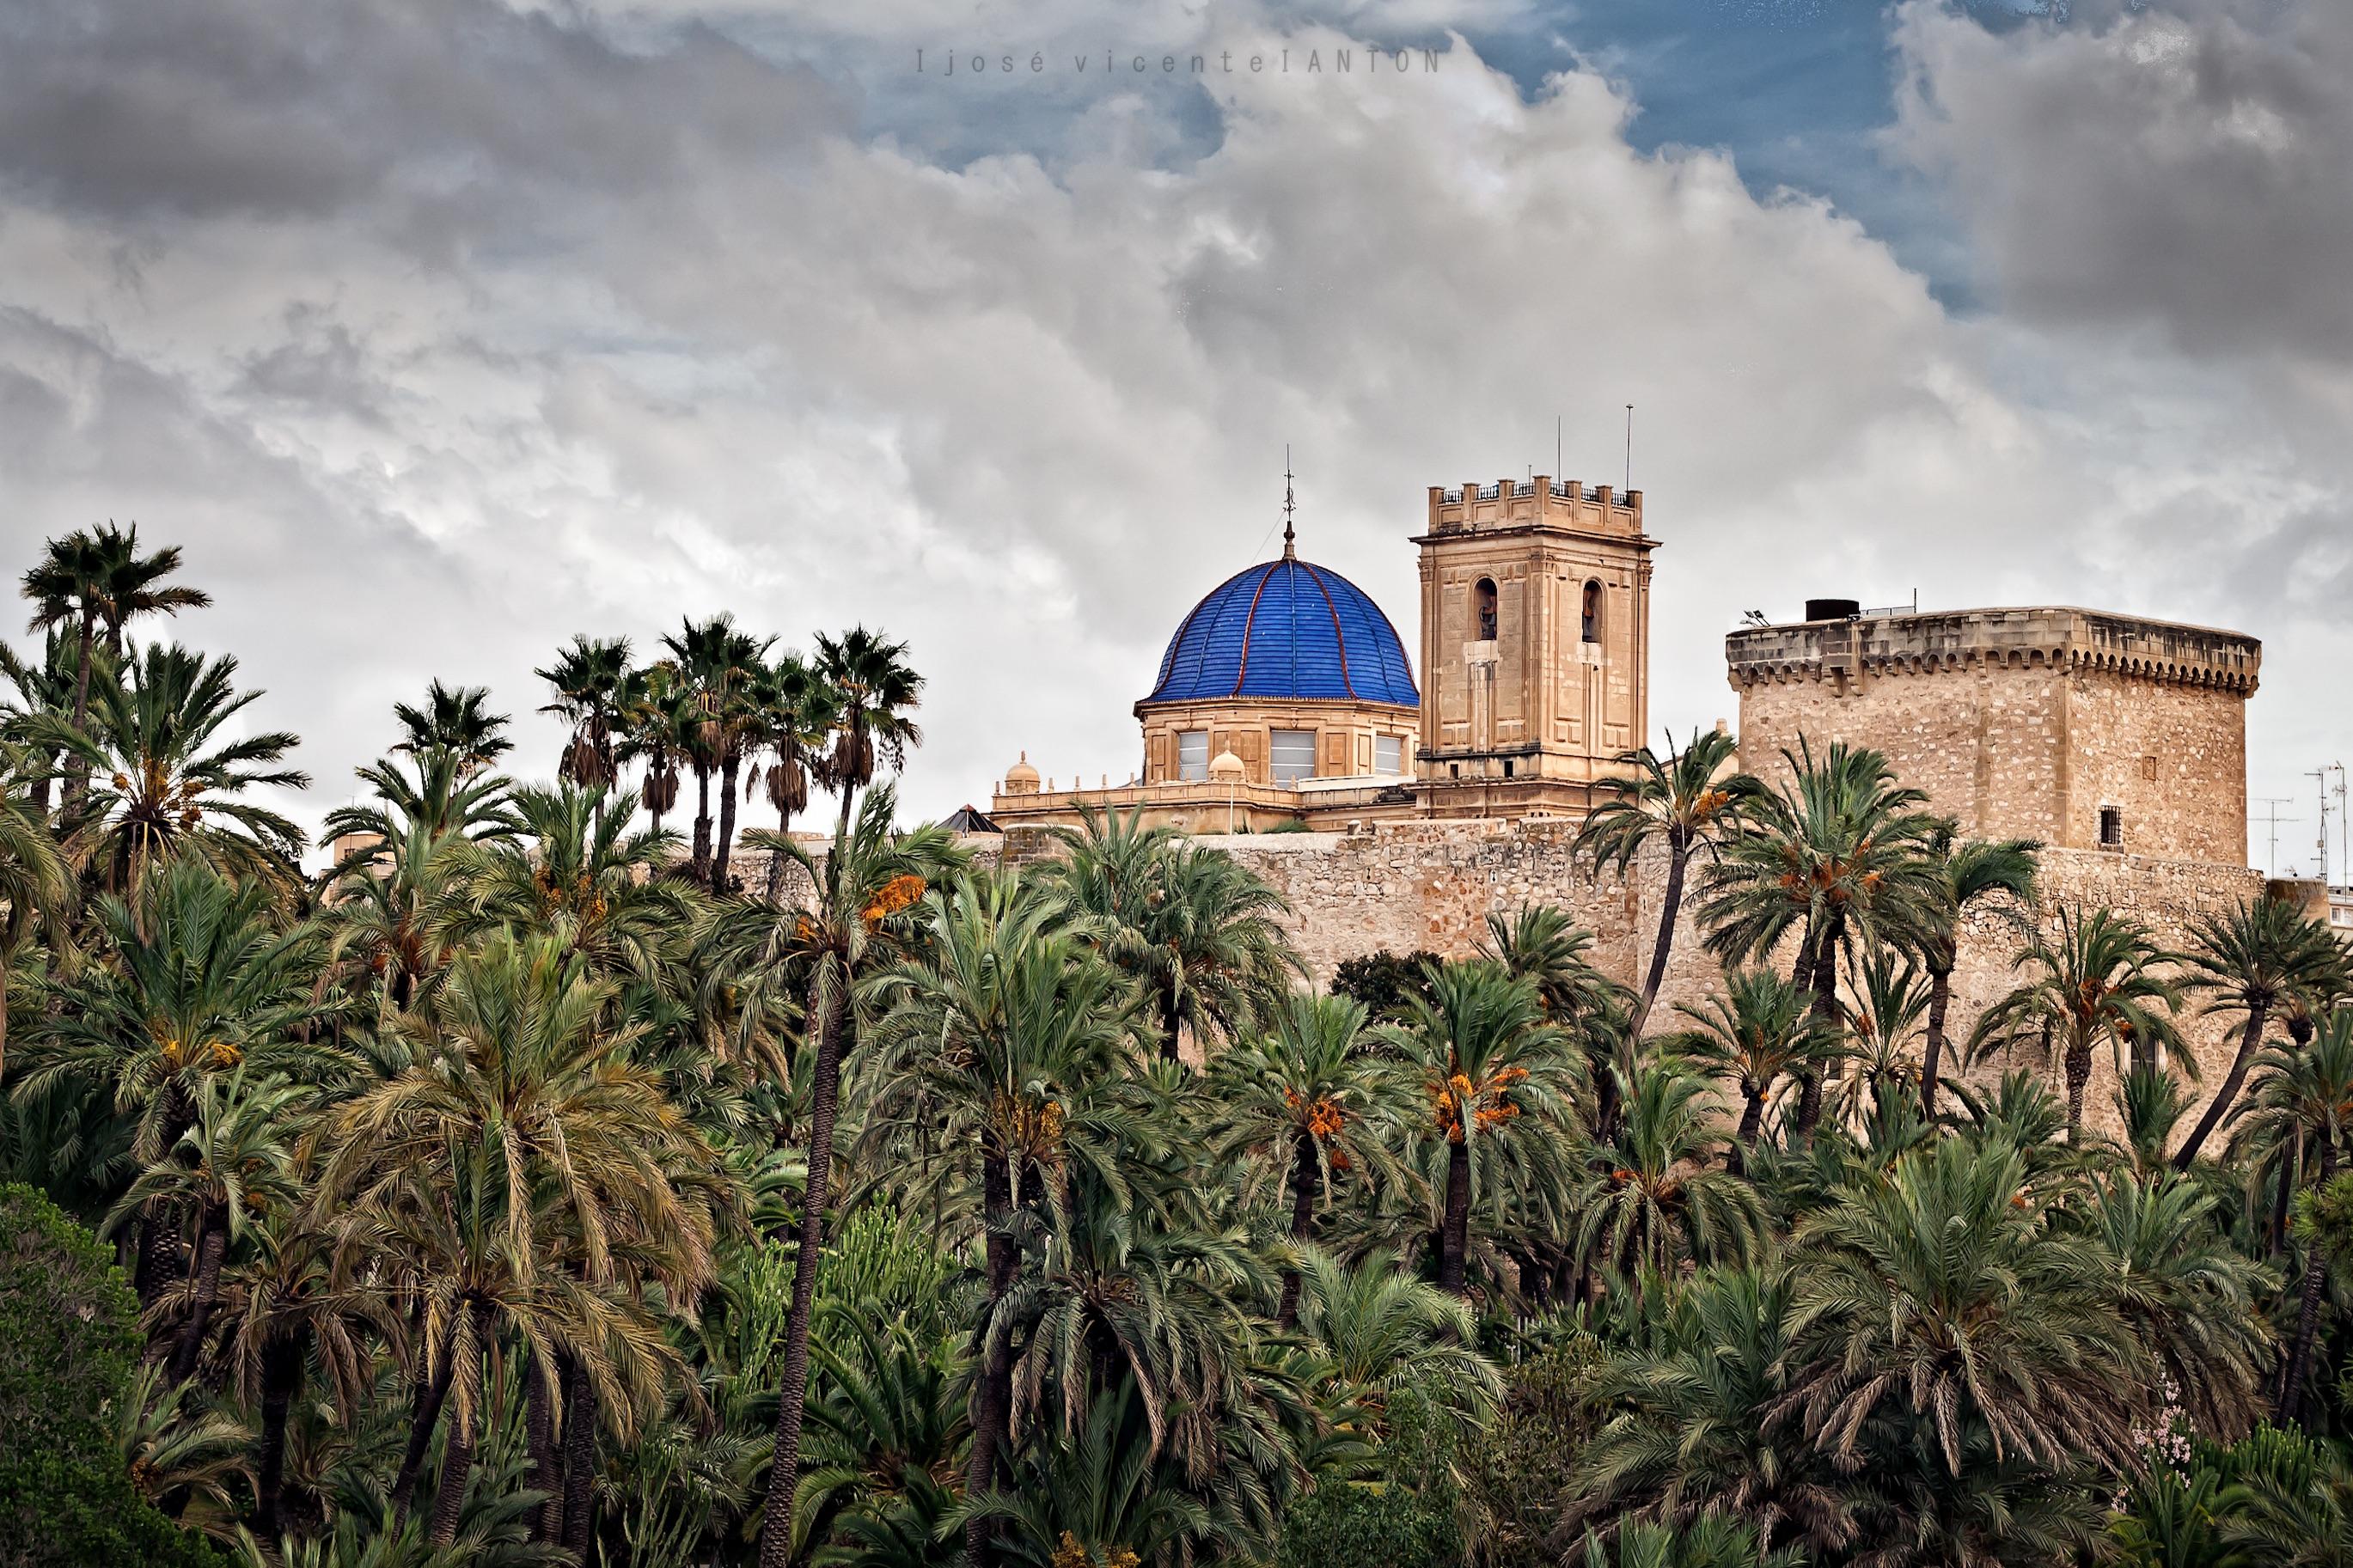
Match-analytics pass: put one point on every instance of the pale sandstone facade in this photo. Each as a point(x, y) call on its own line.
point(2082, 730)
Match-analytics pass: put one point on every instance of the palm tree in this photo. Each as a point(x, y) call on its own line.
point(1832, 856)
point(2096, 982)
point(230, 1165)
point(796, 712)
point(46, 687)
point(1377, 1329)
point(531, 1170)
point(858, 925)
point(875, 690)
point(2184, 1290)
point(1887, 1001)
point(171, 777)
point(1760, 1030)
point(457, 720)
point(659, 720)
point(591, 677)
point(2248, 961)
point(1493, 1072)
point(37, 887)
point(1651, 1197)
point(199, 979)
point(94, 578)
point(1962, 874)
point(1688, 801)
point(1000, 1033)
point(1308, 1100)
point(1195, 928)
point(2303, 1099)
point(1943, 1296)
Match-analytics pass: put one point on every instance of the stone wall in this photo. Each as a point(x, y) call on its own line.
point(1433, 885)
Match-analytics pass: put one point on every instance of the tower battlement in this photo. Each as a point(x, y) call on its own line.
point(1540, 502)
point(2046, 636)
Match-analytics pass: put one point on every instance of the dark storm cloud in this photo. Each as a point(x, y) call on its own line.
point(2187, 163)
point(281, 107)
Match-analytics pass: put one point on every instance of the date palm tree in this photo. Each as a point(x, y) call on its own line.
point(457, 720)
point(96, 579)
point(1499, 1082)
point(2303, 1099)
point(167, 775)
point(1652, 1197)
point(1758, 1031)
point(1945, 1296)
point(530, 1169)
point(2249, 962)
point(1687, 801)
point(1001, 1034)
point(590, 680)
point(858, 925)
point(2094, 981)
point(1307, 1100)
point(43, 687)
point(1834, 855)
point(1375, 1328)
point(1962, 874)
point(37, 885)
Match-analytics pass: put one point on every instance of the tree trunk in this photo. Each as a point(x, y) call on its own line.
point(1454, 1237)
point(991, 1409)
point(1678, 860)
point(1305, 1168)
point(430, 1390)
point(2283, 1189)
point(728, 773)
point(2308, 1312)
point(1823, 982)
point(777, 860)
point(281, 1379)
point(2079, 1073)
point(1752, 1120)
point(1171, 1022)
point(783, 1473)
point(449, 1495)
point(1932, 1061)
point(158, 1262)
point(212, 1244)
point(701, 820)
point(541, 1472)
point(78, 767)
point(2249, 1038)
point(579, 1463)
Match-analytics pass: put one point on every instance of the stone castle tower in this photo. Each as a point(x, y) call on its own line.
point(1535, 623)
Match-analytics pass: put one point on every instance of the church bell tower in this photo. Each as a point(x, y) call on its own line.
point(1536, 639)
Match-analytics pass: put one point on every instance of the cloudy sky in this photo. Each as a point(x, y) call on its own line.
point(438, 329)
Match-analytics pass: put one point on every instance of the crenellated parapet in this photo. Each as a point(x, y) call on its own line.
point(1539, 502)
point(2042, 636)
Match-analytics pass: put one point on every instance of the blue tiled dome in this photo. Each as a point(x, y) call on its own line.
point(1286, 629)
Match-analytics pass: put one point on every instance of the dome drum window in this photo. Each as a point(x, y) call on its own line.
point(1193, 756)
point(1291, 755)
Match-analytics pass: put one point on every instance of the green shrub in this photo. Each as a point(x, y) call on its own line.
point(69, 1344)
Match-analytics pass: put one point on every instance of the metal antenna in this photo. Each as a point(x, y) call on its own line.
point(2271, 820)
point(2322, 774)
point(1555, 446)
point(1289, 548)
point(2344, 824)
point(1629, 446)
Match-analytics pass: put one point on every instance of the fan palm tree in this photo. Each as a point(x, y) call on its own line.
point(94, 579)
point(1962, 874)
point(857, 925)
point(170, 778)
point(1499, 1081)
point(530, 1169)
point(457, 720)
point(1943, 1295)
point(1651, 1197)
point(1758, 1031)
point(2248, 961)
point(875, 689)
point(37, 886)
point(1832, 855)
point(1687, 801)
point(798, 711)
point(590, 678)
point(658, 718)
point(2096, 980)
